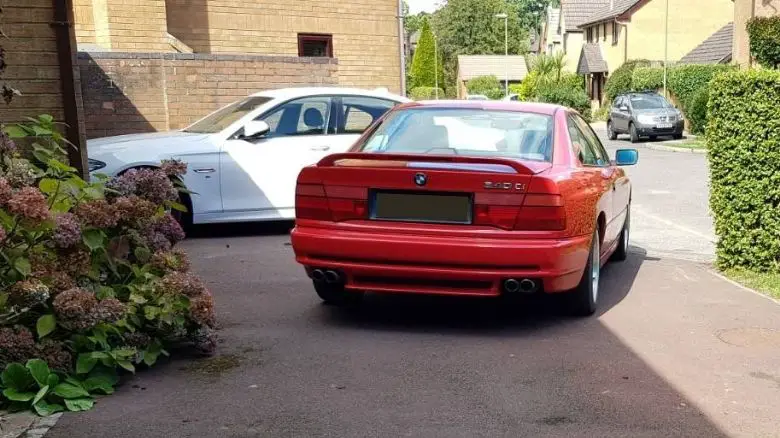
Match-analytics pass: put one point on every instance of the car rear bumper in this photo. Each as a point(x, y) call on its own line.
point(418, 263)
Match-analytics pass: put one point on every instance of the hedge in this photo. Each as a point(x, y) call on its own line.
point(764, 35)
point(743, 135)
point(620, 81)
point(424, 68)
point(697, 111)
point(490, 86)
point(423, 93)
point(566, 95)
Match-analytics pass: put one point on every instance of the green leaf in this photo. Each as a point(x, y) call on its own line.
point(46, 119)
point(103, 384)
point(22, 265)
point(41, 394)
point(14, 395)
point(45, 409)
point(42, 155)
point(137, 298)
point(69, 391)
point(45, 325)
point(17, 377)
point(94, 239)
point(126, 364)
point(85, 363)
point(52, 380)
point(3, 300)
point(151, 312)
point(178, 207)
point(79, 404)
point(48, 186)
point(39, 370)
point(15, 131)
point(93, 193)
point(104, 292)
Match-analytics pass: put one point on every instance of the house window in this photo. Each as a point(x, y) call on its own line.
point(615, 33)
point(590, 34)
point(604, 31)
point(597, 34)
point(315, 45)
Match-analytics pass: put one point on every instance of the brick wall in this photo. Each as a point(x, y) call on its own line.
point(365, 32)
point(142, 92)
point(122, 25)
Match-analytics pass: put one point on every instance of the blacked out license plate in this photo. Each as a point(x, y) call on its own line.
point(446, 208)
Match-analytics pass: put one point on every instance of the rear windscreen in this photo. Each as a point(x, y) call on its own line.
point(474, 132)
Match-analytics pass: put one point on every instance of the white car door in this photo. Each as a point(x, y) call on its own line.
point(259, 176)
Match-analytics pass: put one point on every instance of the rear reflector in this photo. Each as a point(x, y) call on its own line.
point(496, 215)
point(310, 207)
point(541, 219)
point(348, 209)
point(340, 204)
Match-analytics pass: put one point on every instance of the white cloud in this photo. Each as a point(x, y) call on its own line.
point(416, 6)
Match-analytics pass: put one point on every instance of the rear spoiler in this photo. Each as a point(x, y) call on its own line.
point(403, 160)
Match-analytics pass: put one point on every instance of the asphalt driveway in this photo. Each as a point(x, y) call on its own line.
point(675, 351)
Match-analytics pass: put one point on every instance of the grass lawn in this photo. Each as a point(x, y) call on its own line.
point(767, 283)
point(692, 144)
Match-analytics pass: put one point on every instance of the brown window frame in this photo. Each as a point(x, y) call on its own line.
point(589, 33)
point(604, 30)
point(316, 37)
point(615, 33)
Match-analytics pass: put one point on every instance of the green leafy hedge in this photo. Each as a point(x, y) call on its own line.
point(423, 93)
point(566, 95)
point(490, 86)
point(697, 111)
point(764, 35)
point(424, 68)
point(621, 80)
point(743, 135)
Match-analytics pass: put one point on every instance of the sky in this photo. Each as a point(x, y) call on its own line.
point(416, 6)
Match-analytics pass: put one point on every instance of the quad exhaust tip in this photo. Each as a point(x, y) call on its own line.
point(332, 277)
point(318, 275)
point(525, 285)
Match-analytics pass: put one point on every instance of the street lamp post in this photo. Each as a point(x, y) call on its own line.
point(505, 17)
point(436, 65)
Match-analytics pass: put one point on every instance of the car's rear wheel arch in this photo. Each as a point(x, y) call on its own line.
point(601, 225)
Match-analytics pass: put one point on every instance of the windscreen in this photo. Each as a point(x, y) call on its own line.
point(649, 102)
point(475, 132)
point(226, 116)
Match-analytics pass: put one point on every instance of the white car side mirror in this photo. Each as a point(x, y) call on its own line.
point(256, 129)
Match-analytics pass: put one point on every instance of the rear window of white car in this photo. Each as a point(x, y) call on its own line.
point(475, 132)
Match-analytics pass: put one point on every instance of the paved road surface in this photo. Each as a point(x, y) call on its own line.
point(675, 351)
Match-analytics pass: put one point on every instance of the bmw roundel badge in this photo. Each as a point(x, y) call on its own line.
point(420, 179)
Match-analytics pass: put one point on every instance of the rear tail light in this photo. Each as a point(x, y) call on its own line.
point(540, 210)
point(317, 202)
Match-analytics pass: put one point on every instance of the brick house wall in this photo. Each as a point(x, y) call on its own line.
point(127, 93)
point(744, 10)
point(122, 25)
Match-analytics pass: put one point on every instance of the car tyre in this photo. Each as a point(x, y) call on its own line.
point(634, 133)
point(336, 295)
point(584, 299)
point(678, 136)
point(621, 253)
point(184, 218)
point(611, 131)
point(653, 138)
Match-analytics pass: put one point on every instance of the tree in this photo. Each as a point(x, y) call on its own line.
point(424, 68)
point(530, 12)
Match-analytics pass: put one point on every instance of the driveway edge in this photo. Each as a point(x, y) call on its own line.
point(26, 424)
point(742, 286)
point(659, 147)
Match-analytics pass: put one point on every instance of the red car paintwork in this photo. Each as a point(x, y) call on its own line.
point(461, 259)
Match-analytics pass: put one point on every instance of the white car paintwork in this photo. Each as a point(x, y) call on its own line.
point(235, 180)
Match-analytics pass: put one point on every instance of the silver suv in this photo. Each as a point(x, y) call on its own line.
point(644, 114)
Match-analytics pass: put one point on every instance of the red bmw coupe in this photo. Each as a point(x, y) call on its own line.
point(466, 198)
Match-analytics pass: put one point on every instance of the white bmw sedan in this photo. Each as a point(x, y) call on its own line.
point(243, 160)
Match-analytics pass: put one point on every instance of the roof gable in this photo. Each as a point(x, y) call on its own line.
point(576, 12)
point(610, 11)
point(591, 60)
point(716, 49)
point(472, 66)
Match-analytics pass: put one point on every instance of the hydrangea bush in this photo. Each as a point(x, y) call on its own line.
point(90, 281)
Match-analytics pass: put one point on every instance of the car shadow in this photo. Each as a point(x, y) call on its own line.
point(244, 229)
point(504, 315)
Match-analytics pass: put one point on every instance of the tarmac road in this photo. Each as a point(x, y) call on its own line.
point(675, 350)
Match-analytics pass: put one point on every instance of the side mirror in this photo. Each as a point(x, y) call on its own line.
point(626, 157)
point(255, 129)
point(623, 108)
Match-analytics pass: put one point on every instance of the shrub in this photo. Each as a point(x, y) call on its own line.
point(424, 68)
point(423, 93)
point(743, 135)
point(90, 282)
point(647, 78)
point(526, 90)
point(697, 111)
point(573, 80)
point(565, 95)
point(601, 114)
point(687, 80)
point(490, 86)
point(621, 80)
point(764, 33)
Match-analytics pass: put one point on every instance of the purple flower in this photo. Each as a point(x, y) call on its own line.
point(79, 310)
point(152, 184)
point(5, 191)
point(29, 203)
point(7, 146)
point(97, 213)
point(29, 293)
point(171, 261)
point(174, 168)
point(67, 231)
point(124, 184)
point(20, 173)
point(170, 228)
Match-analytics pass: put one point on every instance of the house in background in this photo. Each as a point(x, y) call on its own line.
point(744, 10)
point(635, 29)
point(551, 39)
point(573, 14)
point(717, 49)
point(473, 66)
